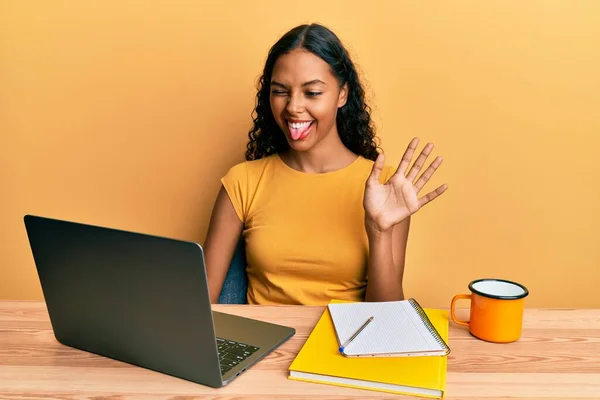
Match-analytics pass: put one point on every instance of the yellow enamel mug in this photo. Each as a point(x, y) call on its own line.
point(496, 313)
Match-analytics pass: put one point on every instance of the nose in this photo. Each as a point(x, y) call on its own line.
point(295, 104)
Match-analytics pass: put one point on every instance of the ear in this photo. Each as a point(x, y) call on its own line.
point(343, 96)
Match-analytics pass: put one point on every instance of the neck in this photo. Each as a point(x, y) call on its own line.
point(328, 155)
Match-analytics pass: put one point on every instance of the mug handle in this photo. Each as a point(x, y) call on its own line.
point(454, 299)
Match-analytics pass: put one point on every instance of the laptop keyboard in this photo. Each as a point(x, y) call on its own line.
point(232, 353)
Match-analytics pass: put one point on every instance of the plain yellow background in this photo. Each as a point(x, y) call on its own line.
point(127, 113)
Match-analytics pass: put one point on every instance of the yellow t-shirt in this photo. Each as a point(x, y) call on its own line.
point(305, 234)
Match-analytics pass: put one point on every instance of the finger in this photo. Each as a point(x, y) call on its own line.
point(376, 170)
point(407, 157)
point(416, 168)
point(429, 197)
point(424, 178)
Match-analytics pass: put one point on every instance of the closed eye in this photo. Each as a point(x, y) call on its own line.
point(313, 94)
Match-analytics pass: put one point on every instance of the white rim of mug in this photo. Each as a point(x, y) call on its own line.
point(494, 296)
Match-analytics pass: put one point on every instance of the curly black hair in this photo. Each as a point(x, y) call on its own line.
point(354, 124)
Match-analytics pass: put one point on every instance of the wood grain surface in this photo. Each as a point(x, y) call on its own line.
point(558, 357)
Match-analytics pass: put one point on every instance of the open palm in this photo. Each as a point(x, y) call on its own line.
point(390, 203)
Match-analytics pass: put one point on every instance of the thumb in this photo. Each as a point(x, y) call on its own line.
point(376, 170)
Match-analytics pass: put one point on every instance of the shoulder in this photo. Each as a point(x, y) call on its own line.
point(249, 170)
point(257, 167)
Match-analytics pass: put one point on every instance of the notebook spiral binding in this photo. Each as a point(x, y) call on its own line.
point(428, 324)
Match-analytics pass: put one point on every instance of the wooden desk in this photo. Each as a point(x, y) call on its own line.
point(558, 357)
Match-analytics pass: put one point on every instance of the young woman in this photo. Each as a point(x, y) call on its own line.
point(322, 216)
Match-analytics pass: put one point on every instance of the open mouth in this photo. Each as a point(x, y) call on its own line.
point(299, 130)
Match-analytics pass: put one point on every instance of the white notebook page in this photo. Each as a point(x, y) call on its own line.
point(396, 328)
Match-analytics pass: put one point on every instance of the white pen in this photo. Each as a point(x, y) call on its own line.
point(367, 322)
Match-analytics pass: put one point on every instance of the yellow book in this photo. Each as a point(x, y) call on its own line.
point(320, 361)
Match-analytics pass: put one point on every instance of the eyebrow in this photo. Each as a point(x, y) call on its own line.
point(313, 82)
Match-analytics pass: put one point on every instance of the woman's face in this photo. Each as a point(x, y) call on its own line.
point(305, 97)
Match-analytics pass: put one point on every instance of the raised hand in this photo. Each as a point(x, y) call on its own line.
point(388, 204)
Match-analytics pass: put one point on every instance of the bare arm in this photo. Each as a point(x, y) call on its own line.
point(385, 270)
point(388, 208)
point(223, 234)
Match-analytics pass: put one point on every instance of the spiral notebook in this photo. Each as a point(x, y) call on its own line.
point(398, 329)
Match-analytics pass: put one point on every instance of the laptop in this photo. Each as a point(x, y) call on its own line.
point(143, 300)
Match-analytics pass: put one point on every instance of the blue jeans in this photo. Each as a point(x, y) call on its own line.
point(235, 286)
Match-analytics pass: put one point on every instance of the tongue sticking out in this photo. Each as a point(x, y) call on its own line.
point(299, 131)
